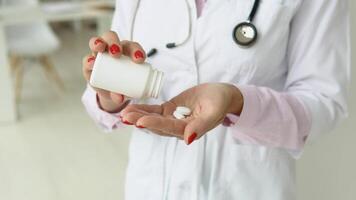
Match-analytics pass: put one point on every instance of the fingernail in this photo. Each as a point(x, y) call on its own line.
point(98, 41)
point(114, 49)
point(126, 122)
point(139, 126)
point(191, 138)
point(138, 54)
point(90, 59)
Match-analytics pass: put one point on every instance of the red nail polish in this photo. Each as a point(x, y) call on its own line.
point(139, 126)
point(127, 123)
point(98, 41)
point(138, 54)
point(92, 58)
point(114, 49)
point(192, 138)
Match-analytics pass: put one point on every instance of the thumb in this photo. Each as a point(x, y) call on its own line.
point(118, 98)
point(195, 129)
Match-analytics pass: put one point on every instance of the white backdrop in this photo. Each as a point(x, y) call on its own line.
point(327, 170)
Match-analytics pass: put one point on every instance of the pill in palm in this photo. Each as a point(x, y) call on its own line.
point(184, 110)
point(178, 115)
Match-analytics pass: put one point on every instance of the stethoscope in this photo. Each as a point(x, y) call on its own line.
point(244, 34)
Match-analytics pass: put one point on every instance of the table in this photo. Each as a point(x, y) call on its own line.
point(52, 12)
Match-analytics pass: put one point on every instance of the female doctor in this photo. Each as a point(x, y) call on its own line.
point(263, 78)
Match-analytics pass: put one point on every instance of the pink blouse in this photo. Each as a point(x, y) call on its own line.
point(200, 6)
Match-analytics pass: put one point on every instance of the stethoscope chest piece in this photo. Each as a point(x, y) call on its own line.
point(245, 34)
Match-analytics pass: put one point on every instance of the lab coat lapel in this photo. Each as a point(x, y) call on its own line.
point(128, 12)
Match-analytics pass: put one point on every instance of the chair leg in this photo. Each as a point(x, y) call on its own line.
point(19, 71)
point(50, 71)
point(14, 63)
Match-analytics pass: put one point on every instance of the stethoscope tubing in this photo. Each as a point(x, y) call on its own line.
point(248, 22)
point(254, 10)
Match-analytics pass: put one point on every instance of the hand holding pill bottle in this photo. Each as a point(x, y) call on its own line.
point(106, 48)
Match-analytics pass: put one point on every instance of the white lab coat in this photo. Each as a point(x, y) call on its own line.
point(287, 57)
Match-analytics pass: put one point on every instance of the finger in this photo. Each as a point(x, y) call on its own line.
point(161, 133)
point(88, 62)
point(113, 42)
point(165, 124)
point(134, 50)
point(143, 107)
point(196, 128)
point(133, 117)
point(97, 44)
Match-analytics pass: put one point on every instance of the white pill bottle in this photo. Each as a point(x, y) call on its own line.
point(122, 75)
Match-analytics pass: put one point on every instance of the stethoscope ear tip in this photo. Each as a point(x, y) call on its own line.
point(152, 52)
point(171, 45)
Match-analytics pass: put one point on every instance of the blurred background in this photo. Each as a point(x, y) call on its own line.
point(54, 150)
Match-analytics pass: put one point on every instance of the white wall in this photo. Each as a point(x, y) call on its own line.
point(327, 171)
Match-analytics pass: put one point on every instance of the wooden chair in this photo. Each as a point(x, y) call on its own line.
point(31, 41)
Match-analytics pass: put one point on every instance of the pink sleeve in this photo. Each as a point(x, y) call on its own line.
point(270, 118)
point(107, 121)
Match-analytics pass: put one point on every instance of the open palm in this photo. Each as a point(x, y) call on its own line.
point(209, 103)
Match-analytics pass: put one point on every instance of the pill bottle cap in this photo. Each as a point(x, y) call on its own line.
point(155, 83)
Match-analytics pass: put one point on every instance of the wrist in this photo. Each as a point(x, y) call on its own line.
point(237, 101)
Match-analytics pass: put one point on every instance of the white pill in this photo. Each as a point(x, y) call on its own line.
point(178, 115)
point(184, 110)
